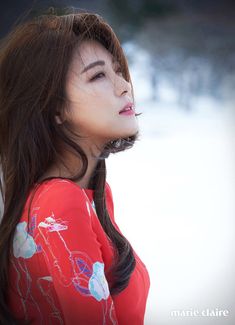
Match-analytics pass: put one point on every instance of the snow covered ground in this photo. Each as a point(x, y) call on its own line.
point(174, 196)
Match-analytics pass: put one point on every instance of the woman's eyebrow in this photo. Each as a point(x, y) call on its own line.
point(92, 65)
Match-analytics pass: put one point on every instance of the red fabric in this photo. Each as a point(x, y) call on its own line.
point(60, 262)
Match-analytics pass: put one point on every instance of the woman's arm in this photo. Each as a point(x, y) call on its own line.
point(73, 256)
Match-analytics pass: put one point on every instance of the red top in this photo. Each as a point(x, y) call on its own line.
point(61, 257)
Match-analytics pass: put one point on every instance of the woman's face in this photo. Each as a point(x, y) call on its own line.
point(97, 92)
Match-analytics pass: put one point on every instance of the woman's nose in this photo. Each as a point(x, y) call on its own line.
point(121, 86)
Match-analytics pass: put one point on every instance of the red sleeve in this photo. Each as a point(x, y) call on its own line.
point(73, 255)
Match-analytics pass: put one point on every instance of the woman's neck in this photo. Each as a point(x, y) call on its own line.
point(71, 165)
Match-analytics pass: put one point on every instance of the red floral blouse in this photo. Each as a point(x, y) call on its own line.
point(60, 260)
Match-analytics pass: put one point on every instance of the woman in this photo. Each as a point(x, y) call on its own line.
point(66, 103)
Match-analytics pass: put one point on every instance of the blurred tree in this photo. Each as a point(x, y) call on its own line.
point(129, 16)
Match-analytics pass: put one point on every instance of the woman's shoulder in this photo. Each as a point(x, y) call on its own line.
point(59, 184)
point(56, 192)
point(63, 193)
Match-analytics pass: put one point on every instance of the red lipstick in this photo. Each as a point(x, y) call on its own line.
point(128, 109)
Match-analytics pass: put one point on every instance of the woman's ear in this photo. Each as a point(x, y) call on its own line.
point(58, 118)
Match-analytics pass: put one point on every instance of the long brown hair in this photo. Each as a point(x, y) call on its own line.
point(34, 61)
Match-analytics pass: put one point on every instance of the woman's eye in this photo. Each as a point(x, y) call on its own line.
point(97, 76)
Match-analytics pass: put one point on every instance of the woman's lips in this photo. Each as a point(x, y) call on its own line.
point(127, 112)
point(128, 109)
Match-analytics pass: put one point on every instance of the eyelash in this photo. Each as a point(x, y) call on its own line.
point(98, 74)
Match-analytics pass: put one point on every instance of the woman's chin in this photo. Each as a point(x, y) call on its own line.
point(130, 132)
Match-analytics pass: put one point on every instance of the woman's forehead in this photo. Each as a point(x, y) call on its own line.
point(90, 51)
